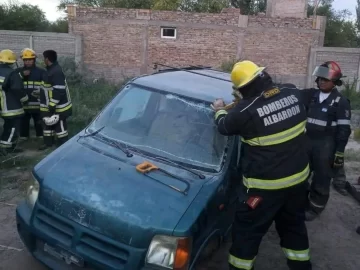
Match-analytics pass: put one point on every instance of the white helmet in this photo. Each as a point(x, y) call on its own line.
point(52, 120)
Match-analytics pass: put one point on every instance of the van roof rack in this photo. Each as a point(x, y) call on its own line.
point(189, 69)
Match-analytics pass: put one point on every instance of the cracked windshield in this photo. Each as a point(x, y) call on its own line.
point(166, 125)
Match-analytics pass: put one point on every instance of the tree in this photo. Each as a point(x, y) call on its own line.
point(146, 4)
point(25, 17)
point(22, 17)
point(249, 7)
point(181, 5)
point(59, 26)
point(340, 31)
point(358, 15)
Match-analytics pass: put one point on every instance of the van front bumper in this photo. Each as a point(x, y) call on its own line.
point(41, 242)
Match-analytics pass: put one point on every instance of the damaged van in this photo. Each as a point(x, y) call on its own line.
point(149, 184)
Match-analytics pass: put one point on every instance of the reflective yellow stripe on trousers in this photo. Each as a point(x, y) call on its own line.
point(297, 255)
point(277, 138)
point(240, 263)
point(278, 183)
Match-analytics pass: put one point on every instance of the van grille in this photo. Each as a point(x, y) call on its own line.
point(105, 252)
point(88, 245)
point(54, 227)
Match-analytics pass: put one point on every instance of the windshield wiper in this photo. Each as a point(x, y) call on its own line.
point(109, 141)
point(92, 133)
point(201, 176)
point(117, 145)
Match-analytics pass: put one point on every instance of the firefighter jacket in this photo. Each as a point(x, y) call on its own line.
point(12, 92)
point(275, 147)
point(32, 85)
point(54, 94)
point(329, 119)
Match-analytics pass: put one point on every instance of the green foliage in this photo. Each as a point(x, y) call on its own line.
point(181, 5)
point(249, 7)
point(227, 65)
point(27, 17)
point(340, 30)
point(349, 91)
point(357, 134)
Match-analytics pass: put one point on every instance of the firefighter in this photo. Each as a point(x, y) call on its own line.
point(329, 129)
point(275, 166)
point(55, 102)
point(32, 76)
point(12, 98)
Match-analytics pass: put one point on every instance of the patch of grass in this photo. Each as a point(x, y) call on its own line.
point(349, 91)
point(88, 98)
point(352, 155)
point(357, 134)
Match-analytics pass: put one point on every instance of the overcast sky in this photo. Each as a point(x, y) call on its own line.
point(49, 6)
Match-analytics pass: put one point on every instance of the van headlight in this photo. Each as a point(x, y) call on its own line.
point(169, 252)
point(32, 192)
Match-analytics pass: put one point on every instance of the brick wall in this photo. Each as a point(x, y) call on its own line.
point(126, 42)
point(66, 45)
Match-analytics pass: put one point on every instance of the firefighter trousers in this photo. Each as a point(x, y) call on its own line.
point(10, 132)
point(59, 130)
point(25, 124)
point(321, 159)
point(287, 208)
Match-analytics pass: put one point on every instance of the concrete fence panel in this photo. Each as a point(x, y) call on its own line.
point(66, 45)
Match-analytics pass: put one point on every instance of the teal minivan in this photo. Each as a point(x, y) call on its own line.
point(149, 184)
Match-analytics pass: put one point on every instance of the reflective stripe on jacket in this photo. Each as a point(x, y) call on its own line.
point(328, 119)
point(272, 127)
point(32, 85)
point(12, 93)
point(55, 92)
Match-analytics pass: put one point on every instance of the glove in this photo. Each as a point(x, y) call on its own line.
point(218, 104)
point(52, 109)
point(339, 160)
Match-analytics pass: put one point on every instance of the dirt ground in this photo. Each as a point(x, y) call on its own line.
point(334, 242)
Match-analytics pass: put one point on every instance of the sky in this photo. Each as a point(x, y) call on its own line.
point(50, 6)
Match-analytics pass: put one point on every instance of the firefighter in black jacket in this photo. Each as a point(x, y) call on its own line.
point(328, 127)
point(275, 165)
point(12, 98)
point(33, 77)
point(55, 102)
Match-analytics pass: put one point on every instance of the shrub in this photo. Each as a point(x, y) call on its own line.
point(349, 91)
point(227, 65)
point(357, 134)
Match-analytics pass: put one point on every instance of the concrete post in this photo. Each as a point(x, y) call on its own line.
point(31, 42)
point(78, 52)
point(358, 79)
point(311, 65)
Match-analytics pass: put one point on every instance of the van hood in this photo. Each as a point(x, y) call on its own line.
point(107, 194)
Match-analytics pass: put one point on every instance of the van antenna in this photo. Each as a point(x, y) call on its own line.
point(182, 69)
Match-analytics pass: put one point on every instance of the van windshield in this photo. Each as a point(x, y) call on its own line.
point(165, 125)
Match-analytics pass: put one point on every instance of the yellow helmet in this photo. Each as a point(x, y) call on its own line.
point(7, 56)
point(28, 53)
point(244, 72)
